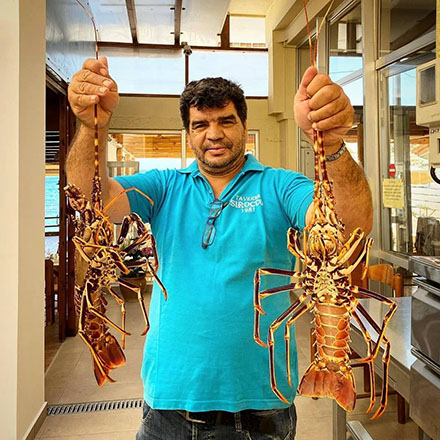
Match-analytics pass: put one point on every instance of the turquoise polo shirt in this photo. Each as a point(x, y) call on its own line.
point(200, 354)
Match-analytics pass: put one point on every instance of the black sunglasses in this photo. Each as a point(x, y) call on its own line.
point(214, 211)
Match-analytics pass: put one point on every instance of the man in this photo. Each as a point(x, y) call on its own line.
point(215, 223)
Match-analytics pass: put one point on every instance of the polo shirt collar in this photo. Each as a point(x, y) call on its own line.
point(251, 164)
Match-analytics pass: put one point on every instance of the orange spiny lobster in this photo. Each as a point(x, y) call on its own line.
point(94, 242)
point(329, 294)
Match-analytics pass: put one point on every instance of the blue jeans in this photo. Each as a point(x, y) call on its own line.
point(277, 424)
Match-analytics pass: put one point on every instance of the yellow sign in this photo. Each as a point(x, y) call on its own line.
point(392, 193)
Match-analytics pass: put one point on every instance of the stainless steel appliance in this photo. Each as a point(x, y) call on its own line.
point(425, 340)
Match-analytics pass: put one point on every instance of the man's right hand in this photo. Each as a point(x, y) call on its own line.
point(93, 85)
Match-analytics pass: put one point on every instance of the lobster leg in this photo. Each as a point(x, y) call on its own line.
point(365, 251)
point(138, 292)
point(381, 338)
point(156, 258)
point(257, 294)
point(92, 309)
point(124, 192)
point(294, 244)
point(80, 244)
point(158, 281)
point(386, 318)
point(368, 360)
point(296, 309)
point(142, 233)
point(289, 323)
point(350, 246)
point(83, 335)
point(121, 303)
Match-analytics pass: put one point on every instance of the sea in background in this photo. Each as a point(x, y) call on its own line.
point(51, 209)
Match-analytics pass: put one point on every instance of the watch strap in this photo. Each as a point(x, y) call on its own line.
point(337, 154)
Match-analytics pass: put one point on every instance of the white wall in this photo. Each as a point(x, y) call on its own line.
point(22, 88)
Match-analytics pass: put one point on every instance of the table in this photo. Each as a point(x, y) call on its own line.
point(399, 334)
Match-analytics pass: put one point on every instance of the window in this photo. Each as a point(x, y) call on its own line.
point(402, 21)
point(147, 71)
point(411, 217)
point(306, 160)
point(247, 31)
point(151, 150)
point(249, 69)
point(346, 69)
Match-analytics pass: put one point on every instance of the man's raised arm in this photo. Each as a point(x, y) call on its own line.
point(93, 85)
point(322, 105)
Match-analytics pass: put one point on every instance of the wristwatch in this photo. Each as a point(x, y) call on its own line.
point(338, 154)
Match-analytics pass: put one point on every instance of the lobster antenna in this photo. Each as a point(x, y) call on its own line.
point(96, 192)
point(314, 50)
point(320, 165)
point(309, 33)
point(95, 29)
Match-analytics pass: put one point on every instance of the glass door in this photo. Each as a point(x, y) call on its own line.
point(410, 199)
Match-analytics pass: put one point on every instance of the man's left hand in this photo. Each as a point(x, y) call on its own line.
point(321, 104)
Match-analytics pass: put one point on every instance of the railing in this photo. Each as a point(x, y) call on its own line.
point(46, 226)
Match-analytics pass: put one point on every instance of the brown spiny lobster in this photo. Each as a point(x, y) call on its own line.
point(94, 242)
point(329, 295)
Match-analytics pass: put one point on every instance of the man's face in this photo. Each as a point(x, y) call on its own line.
point(217, 136)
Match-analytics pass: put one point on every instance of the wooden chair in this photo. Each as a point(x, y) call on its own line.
point(384, 273)
point(50, 290)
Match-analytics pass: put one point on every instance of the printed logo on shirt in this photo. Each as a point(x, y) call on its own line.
point(247, 203)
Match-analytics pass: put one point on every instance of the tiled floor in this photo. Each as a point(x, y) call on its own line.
point(70, 379)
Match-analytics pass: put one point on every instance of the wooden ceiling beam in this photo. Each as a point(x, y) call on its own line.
point(177, 21)
point(224, 36)
point(109, 44)
point(131, 11)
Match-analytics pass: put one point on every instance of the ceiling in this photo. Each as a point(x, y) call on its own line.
point(171, 22)
point(143, 24)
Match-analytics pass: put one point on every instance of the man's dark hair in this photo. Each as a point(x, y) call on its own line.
point(210, 93)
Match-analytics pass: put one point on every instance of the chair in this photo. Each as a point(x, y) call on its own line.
point(384, 273)
point(49, 291)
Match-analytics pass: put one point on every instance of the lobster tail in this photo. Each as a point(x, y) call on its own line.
point(101, 374)
point(107, 355)
point(322, 382)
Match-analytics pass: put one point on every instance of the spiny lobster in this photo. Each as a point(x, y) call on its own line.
point(94, 242)
point(329, 294)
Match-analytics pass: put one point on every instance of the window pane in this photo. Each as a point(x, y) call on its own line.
point(202, 21)
point(412, 227)
point(248, 31)
point(51, 211)
point(248, 69)
point(403, 21)
point(306, 165)
point(155, 21)
point(160, 151)
point(147, 71)
point(346, 69)
point(112, 20)
point(252, 144)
